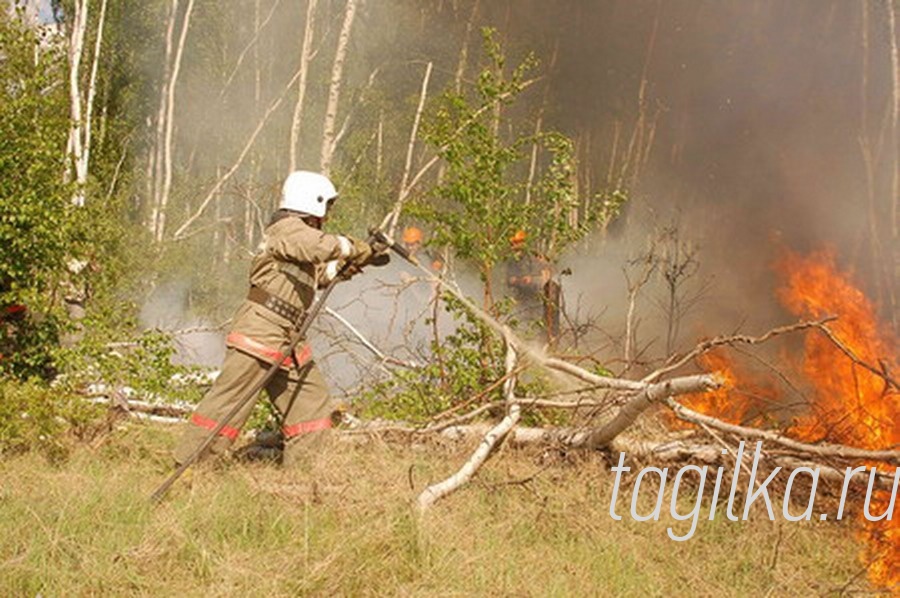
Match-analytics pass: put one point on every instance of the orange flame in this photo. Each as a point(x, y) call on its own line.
point(851, 405)
point(733, 402)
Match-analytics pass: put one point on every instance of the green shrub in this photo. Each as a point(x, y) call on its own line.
point(36, 416)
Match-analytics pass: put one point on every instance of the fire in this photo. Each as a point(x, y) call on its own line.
point(848, 403)
point(732, 402)
point(851, 405)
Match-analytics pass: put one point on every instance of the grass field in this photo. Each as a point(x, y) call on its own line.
point(84, 527)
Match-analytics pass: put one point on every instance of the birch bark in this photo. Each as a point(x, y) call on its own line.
point(334, 89)
point(159, 141)
point(75, 53)
point(170, 123)
point(305, 60)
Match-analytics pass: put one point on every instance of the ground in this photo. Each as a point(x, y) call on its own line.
point(346, 527)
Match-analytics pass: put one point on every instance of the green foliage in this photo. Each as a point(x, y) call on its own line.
point(41, 231)
point(489, 190)
point(34, 202)
point(142, 363)
point(464, 364)
point(34, 416)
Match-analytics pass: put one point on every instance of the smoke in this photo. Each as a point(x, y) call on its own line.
point(197, 340)
point(758, 109)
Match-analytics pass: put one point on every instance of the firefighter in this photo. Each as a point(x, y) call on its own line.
point(412, 239)
point(535, 289)
point(296, 258)
point(413, 242)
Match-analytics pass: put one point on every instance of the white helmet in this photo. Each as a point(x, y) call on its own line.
point(307, 192)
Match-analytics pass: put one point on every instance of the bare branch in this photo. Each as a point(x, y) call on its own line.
point(382, 357)
point(675, 362)
point(395, 215)
point(404, 193)
point(821, 450)
point(248, 47)
point(489, 443)
point(180, 233)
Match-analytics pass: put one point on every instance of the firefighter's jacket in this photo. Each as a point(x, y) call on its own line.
point(290, 267)
point(527, 273)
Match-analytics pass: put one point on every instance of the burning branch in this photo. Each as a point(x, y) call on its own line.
point(720, 341)
point(820, 450)
point(882, 373)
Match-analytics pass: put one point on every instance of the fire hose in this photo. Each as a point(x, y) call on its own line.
point(377, 239)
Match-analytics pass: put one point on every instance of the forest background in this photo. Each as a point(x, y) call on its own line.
point(667, 154)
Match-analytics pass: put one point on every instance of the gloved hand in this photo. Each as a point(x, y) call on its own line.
point(361, 253)
point(376, 259)
point(379, 259)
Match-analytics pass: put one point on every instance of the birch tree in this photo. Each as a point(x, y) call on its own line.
point(81, 101)
point(334, 88)
point(305, 61)
point(163, 150)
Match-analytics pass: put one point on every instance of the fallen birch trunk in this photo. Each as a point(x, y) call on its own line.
point(488, 445)
point(821, 450)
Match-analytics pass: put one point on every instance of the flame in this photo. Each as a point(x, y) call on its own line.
point(733, 402)
point(851, 405)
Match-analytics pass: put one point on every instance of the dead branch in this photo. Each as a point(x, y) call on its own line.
point(883, 374)
point(250, 45)
point(820, 450)
point(211, 194)
point(423, 94)
point(382, 357)
point(676, 362)
point(488, 445)
point(404, 193)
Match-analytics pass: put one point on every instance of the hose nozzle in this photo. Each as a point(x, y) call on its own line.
point(383, 239)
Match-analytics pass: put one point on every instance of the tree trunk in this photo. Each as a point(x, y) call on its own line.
point(170, 123)
point(407, 167)
point(75, 53)
point(159, 142)
point(893, 269)
point(334, 89)
point(82, 165)
point(305, 59)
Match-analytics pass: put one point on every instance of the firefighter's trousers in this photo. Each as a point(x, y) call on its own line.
point(300, 395)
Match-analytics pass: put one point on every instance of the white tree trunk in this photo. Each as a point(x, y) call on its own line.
point(305, 60)
point(82, 164)
point(410, 148)
point(170, 123)
point(159, 142)
point(894, 266)
point(334, 89)
point(76, 140)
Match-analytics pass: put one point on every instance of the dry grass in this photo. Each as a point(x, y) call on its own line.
point(346, 528)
